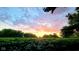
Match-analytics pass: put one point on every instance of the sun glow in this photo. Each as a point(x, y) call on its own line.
point(42, 33)
point(59, 34)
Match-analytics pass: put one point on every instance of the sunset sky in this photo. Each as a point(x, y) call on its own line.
point(34, 19)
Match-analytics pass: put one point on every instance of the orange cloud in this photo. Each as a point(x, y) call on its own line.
point(46, 29)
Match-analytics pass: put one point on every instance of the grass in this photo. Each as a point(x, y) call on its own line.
point(39, 44)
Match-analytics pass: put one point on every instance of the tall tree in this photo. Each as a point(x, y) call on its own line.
point(73, 20)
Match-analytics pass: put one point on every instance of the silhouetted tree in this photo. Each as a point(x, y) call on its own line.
point(29, 35)
point(77, 9)
point(74, 20)
point(55, 35)
point(66, 31)
point(10, 33)
point(51, 36)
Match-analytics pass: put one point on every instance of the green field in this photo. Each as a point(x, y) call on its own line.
point(39, 44)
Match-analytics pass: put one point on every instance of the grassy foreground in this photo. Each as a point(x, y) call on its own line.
point(39, 44)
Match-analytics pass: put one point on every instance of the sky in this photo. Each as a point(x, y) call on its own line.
point(34, 19)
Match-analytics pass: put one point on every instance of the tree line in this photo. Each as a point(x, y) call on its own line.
point(15, 33)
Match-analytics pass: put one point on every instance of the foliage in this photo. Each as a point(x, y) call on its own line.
point(29, 35)
point(47, 9)
point(33, 44)
point(15, 33)
point(66, 31)
point(73, 28)
point(10, 33)
point(51, 36)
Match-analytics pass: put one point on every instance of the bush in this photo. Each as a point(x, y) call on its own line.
point(24, 44)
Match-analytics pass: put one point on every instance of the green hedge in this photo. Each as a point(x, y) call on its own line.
point(35, 44)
